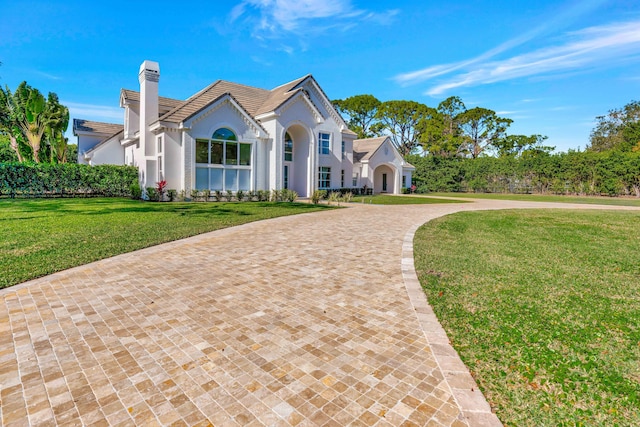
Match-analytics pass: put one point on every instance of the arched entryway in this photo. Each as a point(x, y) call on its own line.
point(295, 173)
point(384, 179)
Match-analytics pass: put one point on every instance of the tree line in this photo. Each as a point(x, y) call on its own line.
point(458, 149)
point(584, 173)
point(448, 130)
point(34, 125)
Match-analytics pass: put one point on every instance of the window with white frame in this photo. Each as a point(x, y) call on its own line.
point(324, 143)
point(324, 177)
point(160, 143)
point(288, 148)
point(222, 162)
point(355, 180)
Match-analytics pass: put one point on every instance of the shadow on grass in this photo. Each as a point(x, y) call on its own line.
point(104, 206)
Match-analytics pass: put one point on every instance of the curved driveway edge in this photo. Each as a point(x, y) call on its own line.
point(300, 320)
point(470, 400)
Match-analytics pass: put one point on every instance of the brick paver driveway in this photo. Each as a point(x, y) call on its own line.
point(302, 320)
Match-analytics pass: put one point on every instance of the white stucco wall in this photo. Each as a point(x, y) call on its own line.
point(108, 153)
point(172, 159)
point(86, 143)
point(131, 120)
point(386, 155)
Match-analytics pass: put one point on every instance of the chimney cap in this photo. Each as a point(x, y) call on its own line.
point(149, 67)
point(149, 71)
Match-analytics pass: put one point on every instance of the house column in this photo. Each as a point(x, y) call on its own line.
point(312, 167)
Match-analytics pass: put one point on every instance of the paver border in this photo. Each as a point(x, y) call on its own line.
point(465, 391)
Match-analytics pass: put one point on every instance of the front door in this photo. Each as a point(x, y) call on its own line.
point(384, 182)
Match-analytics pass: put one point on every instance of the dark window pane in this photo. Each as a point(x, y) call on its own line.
point(216, 152)
point(232, 153)
point(202, 151)
point(288, 148)
point(245, 154)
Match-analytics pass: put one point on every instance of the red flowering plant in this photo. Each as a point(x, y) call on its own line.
point(160, 188)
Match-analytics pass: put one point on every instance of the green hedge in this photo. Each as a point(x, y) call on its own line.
point(65, 180)
point(576, 172)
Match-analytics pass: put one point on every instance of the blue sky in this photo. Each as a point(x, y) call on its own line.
point(551, 66)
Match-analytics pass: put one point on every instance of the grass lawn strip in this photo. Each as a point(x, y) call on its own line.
point(43, 236)
point(543, 308)
point(588, 200)
point(383, 199)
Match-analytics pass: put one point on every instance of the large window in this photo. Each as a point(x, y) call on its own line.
point(324, 177)
point(288, 148)
point(223, 163)
point(324, 143)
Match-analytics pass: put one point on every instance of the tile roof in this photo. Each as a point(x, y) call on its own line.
point(363, 149)
point(279, 95)
point(248, 97)
point(162, 101)
point(96, 127)
point(254, 100)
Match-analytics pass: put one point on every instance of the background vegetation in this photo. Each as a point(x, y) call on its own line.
point(543, 308)
point(610, 173)
point(457, 149)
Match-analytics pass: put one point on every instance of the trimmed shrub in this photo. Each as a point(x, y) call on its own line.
point(152, 194)
point(317, 195)
point(66, 180)
point(136, 191)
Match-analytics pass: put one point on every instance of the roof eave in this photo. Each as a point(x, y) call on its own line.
point(309, 103)
point(267, 116)
point(159, 125)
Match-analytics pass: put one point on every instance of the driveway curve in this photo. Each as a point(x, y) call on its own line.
point(315, 319)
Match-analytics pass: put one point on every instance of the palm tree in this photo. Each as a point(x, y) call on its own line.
point(27, 116)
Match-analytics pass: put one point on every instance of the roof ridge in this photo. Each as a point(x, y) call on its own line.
point(300, 79)
point(372, 138)
point(243, 85)
point(189, 100)
point(203, 90)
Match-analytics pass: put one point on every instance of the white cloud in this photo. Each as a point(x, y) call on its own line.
point(272, 18)
point(47, 75)
point(592, 47)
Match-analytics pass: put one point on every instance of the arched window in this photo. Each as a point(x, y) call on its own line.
point(223, 163)
point(288, 148)
point(224, 134)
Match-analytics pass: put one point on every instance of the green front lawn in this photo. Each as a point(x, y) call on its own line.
point(543, 308)
point(40, 237)
point(589, 200)
point(383, 199)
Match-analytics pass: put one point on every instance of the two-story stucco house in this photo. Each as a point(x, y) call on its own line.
point(234, 137)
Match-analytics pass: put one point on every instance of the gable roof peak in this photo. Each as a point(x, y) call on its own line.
point(293, 83)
